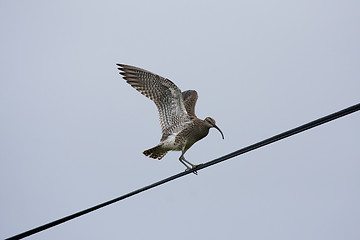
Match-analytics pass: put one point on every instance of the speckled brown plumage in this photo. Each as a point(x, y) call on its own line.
point(179, 124)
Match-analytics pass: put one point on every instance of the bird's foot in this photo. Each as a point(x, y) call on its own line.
point(193, 168)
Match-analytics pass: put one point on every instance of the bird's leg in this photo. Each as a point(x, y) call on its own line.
point(184, 161)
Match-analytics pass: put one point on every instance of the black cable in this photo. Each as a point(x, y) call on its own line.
point(286, 134)
point(275, 138)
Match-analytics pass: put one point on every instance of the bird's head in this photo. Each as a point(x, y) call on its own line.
point(210, 122)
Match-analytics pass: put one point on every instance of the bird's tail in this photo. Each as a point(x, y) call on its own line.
point(156, 152)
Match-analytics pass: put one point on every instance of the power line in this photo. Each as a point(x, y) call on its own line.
point(270, 140)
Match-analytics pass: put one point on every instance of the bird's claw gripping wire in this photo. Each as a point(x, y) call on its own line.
point(193, 168)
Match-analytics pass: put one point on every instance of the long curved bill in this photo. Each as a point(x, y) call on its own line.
point(219, 131)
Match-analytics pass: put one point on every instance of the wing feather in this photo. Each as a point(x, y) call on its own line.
point(190, 97)
point(163, 92)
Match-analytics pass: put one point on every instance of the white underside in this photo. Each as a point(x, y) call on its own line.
point(169, 143)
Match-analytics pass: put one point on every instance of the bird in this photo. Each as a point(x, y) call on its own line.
point(180, 126)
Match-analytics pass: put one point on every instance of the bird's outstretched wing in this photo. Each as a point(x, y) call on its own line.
point(190, 97)
point(163, 92)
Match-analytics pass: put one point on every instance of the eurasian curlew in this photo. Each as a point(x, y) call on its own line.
point(180, 126)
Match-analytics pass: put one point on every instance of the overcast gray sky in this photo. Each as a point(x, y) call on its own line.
point(72, 131)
